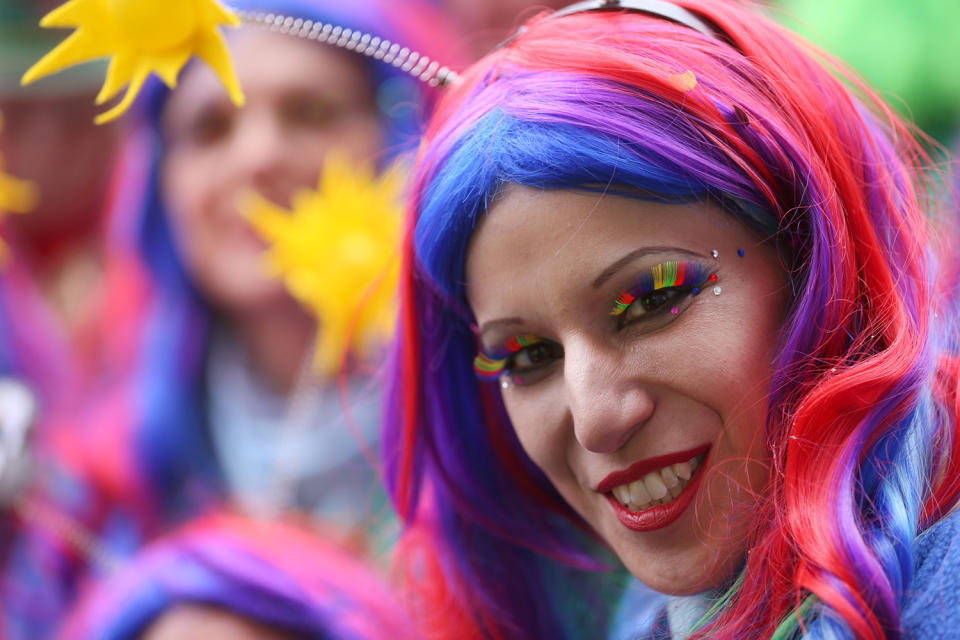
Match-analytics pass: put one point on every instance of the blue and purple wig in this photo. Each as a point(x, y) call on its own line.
point(862, 424)
point(275, 574)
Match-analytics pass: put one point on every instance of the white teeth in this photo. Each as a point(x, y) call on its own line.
point(638, 493)
point(669, 478)
point(682, 470)
point(657, 487)
point(622, 493)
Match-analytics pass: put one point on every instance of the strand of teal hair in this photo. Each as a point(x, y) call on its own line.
point(785, 630)
point(791, 624)
point(720, 604)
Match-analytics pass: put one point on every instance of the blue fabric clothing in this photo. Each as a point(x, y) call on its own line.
point(931, 602)
point(640, 607)
point(304, 451)
point(934, 596)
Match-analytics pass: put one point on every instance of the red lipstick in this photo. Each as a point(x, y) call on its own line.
point(639, 469)
point(658, 516)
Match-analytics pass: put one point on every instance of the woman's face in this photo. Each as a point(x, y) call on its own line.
point(302, 100)
point(649, 422)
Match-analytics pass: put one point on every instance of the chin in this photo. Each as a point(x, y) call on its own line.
point(683, 574)
point(251, 299)
point(243, 291)
point(687, 557)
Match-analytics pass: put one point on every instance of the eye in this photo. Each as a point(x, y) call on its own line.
point(210, 126)
point(652, 302)
point(531, 363)
point(659, 292)
point(308, 111)
point(662, 304)
point(536, 355)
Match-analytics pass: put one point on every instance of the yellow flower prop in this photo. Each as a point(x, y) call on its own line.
point(139, 36)
point(16, 196)
point(336, 252)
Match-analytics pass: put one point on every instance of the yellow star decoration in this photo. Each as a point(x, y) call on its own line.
point(139, 36)
point(336, 252)
point(16, 196)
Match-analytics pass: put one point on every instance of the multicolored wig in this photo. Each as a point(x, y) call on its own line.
point(274, 574)
point(136, 457)
point(862, 425)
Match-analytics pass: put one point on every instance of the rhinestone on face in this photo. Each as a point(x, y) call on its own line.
point(504, 383)
point(740, 252)
point(715, 253)
point(716, 291)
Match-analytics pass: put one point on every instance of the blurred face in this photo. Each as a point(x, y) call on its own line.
point(195, 622)
point(303, 99)
point(639, 391)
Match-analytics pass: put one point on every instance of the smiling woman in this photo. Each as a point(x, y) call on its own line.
point(606, 404)
point(698, 268)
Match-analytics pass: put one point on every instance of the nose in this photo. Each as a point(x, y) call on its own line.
point(607, 396)
point(259, 152)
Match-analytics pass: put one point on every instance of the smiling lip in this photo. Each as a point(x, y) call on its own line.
point(657, 516)
point(639, 469)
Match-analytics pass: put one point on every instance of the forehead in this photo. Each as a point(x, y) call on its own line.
point(266, 61)
point(532, 239)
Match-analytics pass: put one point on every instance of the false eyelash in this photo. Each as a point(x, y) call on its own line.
point(490, 366)
point(663, 276)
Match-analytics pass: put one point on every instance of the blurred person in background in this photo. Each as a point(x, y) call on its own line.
point(227, 577)
point(219, 387)
point(51, 253)
point(50, 283)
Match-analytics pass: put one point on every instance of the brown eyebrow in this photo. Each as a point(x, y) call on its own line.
point(608, 273)
point(605, 275)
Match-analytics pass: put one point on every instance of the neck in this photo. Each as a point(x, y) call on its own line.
point(277, 340)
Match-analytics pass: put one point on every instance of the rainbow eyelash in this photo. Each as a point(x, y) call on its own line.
point(488, 367)
point(663, 276)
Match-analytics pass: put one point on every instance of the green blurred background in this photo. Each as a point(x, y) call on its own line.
point(23, 42)
point(908, 49)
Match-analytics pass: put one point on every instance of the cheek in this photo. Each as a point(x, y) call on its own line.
point(358, 137)
point(741, 350)
point(362, 137)
point(541, 427)
point(186, 192)
point(735, 345)
point(220, 251)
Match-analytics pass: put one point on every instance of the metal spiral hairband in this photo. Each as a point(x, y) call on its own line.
point(420, 67)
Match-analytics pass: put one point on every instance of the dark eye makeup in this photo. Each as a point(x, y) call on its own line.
point(657, 296)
